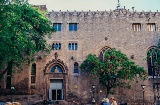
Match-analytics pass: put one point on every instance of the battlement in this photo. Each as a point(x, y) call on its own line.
point(121, 13)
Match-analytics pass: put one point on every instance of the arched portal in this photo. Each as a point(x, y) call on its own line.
point(102, 52)
point(55, 73)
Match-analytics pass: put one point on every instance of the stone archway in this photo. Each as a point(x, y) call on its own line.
point(102, 52)
point(55, 79)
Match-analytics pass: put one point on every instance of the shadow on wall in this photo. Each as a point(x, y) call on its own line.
point(77, 99)
point(21, 88)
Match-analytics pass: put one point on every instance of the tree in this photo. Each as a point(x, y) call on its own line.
point(23, 29)
point(113, 71)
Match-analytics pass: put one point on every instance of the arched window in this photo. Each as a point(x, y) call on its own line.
point(59, 45)
point(101, 56)
point(53, 46)
point(33, 73)
point(76, 67)
point(69, 46)
point(73, 46)
point(56, 46)
point(102, 53)
point(152, 56)
point(76, 46)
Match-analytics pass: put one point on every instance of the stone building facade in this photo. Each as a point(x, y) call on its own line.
point(57, 75)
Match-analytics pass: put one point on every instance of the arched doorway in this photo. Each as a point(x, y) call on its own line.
point(55, 80)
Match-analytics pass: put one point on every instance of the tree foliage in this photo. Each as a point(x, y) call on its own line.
point(115, 70)
point(23, 29)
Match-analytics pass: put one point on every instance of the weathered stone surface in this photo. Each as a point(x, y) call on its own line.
point(96, 30)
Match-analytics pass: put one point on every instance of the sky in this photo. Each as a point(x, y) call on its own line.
point(100, 5)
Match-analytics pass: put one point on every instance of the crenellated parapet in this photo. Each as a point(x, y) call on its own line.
point(118, 13)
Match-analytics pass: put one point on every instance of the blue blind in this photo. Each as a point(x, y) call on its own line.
point(75, 27)
point(72, 26)
point(57, 46)
point(72, 46)
point(69, 46)
point(57, 26)
point(75, 70)
point(75, 67)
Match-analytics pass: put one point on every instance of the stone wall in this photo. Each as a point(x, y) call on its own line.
point(96, 30)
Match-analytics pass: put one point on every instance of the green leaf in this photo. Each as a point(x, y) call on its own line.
point(23, 29)
point(114, 71)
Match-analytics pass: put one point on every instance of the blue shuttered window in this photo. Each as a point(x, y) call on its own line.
point(72, 46)
point(76, 67)
point(73, 27)
point(56, 46)
point(57, 26)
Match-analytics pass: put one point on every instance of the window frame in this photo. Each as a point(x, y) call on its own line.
point(73, 26)
point(33, 73)
point(56, 46)
point(137, 27)
point(33, 79)
point(153, 56)
point(57, 26)
point(73, 46)
point(151, 27)
point(76, 68)
point(102, 52)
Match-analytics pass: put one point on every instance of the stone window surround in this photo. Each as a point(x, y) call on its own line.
point(144, 24)
point(33, 75)
point(153, 53)
point(57, 43)
point(74, 45)
point(137, 26)
point(58, 29)
point(151, 26)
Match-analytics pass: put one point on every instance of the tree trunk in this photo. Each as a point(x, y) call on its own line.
point(107, 93)
point(9, 67)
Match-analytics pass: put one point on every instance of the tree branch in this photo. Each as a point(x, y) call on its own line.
point(9, 67)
